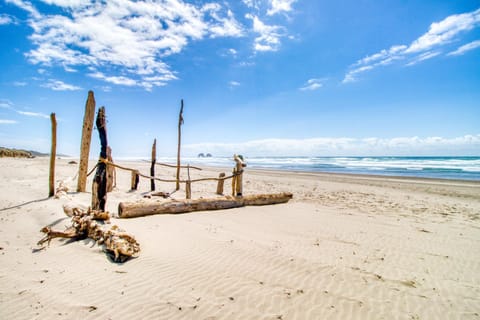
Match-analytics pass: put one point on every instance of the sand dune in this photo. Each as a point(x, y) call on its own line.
point(346, 247)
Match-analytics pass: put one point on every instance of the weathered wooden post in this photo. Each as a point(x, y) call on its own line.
point(99, 186)
point(234, 181)
point(135, 180)
point(152, 167)
point(111, 176)
point(239, 178)
point(188, 185)
point(85, 144)
point(180, 122)
point(53, 153)
point(220, 183)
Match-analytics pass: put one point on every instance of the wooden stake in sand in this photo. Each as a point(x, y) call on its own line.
point(180, 122)
point(152, 167)
point(111, 173)
point(220, 183)
point(99, 187)
point(239, 165)
point(53, 153)
point(85, 144)
point(143, 208)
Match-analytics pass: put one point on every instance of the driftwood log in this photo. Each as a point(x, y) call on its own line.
point(139, 209)
point(89, 224)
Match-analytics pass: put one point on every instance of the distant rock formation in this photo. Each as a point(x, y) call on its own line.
point(203, 155)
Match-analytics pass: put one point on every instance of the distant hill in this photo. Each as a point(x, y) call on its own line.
point(20, 153)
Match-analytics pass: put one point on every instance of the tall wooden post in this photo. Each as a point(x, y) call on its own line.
point(99, 187)
point(188, 185)
point(180, 122)
point(85, 144)
point(152, 167)
point(53, 153)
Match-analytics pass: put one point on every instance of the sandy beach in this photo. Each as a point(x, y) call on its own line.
point(345, 247)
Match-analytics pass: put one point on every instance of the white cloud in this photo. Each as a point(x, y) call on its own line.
point(468, 144)
point(6, 104)
point(19, 83)
point(440, 34)
point(467, 47)
point(7, 19)
point(58, 85)
point(120, 80)
point(279, 6)
point(6, 121)
point(233, 84)
point(312, 84)
point(268, 38)
point(422, 57)
point(25, 5)
point(129, 38)
point(33, 114)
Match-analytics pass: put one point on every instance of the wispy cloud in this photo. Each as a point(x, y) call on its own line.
point(33, 114)
point(468, 144)
point(7, 104)
point(427, 46)
point(128, 38)
point(424, 56)
point(268, 38)
point(466, 47)
point(19, 83)
point(233, 84)
point(7, 19)
point(312, 84)
point(58, 85)
point(6, 121)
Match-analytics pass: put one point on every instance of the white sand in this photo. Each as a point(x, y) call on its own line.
point(345, 247)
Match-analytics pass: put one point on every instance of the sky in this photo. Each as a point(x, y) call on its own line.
point(258, 77)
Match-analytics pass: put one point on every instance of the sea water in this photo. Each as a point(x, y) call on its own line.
point(462, 168)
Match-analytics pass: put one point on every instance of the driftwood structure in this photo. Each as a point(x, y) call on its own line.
point(53, 154)
point(99, 187)
point(85, 143)
point(89, 224)
point(144, 208)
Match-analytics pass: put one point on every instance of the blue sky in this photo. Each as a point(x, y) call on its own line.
point(258, 77)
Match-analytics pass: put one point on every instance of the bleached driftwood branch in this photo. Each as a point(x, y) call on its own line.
point(86, 224)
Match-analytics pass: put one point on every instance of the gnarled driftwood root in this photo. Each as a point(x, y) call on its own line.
point(90, 224)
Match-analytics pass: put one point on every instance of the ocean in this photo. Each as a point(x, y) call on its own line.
point(461, 168)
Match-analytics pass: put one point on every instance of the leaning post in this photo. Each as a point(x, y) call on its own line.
point(53, 152)
point(85, 144)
